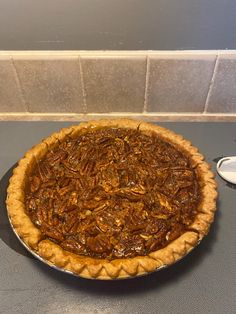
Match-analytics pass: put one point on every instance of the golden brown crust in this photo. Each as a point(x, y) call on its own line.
point(120, 268)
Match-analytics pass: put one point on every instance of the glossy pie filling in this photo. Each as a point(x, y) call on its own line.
point(113, 193)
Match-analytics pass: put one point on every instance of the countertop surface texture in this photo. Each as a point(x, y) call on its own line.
point(203, 282)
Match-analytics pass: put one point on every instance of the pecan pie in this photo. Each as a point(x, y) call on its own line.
point(112, 198)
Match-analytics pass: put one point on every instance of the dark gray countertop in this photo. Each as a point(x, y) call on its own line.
point(117, 25)
point(203, 282)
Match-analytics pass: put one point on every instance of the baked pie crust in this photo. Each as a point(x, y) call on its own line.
point(119, 268)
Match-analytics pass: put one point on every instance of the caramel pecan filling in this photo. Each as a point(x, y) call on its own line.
point(113, 193)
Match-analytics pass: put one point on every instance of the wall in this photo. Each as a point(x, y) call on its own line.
point(117, 25)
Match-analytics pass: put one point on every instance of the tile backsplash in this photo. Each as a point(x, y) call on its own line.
point(179, 84)
point(49, 84)
point(141, 82)
point(10, 93)
point(223, 93)
point(114, 83)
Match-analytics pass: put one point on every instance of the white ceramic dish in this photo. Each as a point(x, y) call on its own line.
point(226, 167)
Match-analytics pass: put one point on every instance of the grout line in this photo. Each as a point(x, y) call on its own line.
point(211, 84)
point(82, 85)
point(19, 85)
point(146, 84)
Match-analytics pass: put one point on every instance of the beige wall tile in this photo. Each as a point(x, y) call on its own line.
point(223, 93)
point(114, 83)
point(10, 94)
point(51, 84)
point(179, 83)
